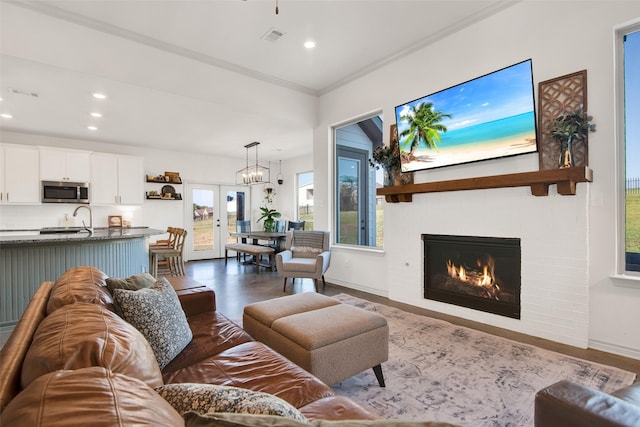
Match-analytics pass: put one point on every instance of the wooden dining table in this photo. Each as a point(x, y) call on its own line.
point(275, 237)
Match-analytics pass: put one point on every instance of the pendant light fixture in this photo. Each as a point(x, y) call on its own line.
point(280, 178)
point(252, 174)
point(269, 188)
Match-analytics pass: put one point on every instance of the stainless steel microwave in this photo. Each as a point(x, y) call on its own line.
point(65, 192)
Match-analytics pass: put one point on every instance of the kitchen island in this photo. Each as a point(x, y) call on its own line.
point(28, 258)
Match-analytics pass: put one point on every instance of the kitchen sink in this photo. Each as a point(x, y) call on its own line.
point(61, 230)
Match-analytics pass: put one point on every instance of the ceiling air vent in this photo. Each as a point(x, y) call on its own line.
point(272, 35)
point(25, 92)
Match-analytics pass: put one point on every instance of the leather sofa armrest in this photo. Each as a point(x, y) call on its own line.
point(197, 300)
point(14, 350)
point(567, 404)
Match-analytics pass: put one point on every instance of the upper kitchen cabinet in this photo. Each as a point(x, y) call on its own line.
point(115, 180)
point(64, 165)
point(19, 174)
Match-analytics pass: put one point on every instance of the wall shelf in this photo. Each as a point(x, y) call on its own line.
point(539, 181)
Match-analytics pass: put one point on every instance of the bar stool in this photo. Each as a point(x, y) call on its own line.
point(169, 259)
point(169, 242)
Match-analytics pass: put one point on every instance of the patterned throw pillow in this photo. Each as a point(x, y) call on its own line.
point(209, 398)
point(157, 314)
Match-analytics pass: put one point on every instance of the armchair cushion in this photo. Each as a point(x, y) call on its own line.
point(307, 244)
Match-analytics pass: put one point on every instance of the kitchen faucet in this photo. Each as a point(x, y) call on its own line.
point(90, 228)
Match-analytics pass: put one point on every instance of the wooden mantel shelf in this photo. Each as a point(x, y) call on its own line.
point(539, 181)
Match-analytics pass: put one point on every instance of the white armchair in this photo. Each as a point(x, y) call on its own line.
point(306, 254)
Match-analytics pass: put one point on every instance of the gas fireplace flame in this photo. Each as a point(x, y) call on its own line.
point(483, 275)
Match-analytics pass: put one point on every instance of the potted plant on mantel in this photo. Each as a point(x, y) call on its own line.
point(566, 129)
point(388, 159)
point(269, 216)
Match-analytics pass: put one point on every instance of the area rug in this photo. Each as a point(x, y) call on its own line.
point(438, 371)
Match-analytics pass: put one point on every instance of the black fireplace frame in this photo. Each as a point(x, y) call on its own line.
point(511, 309)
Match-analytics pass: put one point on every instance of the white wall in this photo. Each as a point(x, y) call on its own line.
point(568, 242)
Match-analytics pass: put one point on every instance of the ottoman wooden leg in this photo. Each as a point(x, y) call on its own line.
point(378, 371)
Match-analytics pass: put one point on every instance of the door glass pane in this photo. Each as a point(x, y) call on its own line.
point(348, 218)
point(305, 199)
point(235, 212)
point(203, 231)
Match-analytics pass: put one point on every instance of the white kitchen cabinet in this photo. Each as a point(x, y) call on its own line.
point(116, 180)
point(64, 165)
point(20, 174)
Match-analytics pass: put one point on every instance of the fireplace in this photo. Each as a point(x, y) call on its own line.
point(482, 273)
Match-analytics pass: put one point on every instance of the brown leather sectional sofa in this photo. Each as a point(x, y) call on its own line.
point(78, 391)
point(568, 404)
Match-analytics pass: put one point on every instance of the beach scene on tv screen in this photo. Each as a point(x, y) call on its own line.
point(488, 117)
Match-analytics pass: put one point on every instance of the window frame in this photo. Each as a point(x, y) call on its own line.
point(621, 271)
point(333, 178)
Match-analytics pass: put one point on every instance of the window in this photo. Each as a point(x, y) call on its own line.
point(358, 213)
point(305, 199)
point(629, 133)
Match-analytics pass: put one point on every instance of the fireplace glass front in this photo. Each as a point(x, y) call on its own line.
point(482, 273)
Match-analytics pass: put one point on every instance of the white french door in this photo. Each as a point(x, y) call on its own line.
point(211, 212)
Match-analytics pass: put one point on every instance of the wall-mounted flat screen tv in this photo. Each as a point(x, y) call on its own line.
point(489, 117)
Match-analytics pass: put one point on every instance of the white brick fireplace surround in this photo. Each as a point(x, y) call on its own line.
point(553, 232)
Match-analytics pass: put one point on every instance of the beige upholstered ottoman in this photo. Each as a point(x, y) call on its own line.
point(333, 341)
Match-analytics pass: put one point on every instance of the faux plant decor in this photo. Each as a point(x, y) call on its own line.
point(566, 129)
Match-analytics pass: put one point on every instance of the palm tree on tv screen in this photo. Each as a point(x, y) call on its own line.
point(424, 126)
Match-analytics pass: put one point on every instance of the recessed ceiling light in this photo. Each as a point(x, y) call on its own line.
point(92, 128)
point(309, 44)
point(97, 115)
point(99, 95)
point(6, 116)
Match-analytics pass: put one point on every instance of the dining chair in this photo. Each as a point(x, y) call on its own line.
point(242, 226)
point(281, 226)
point(295, 225)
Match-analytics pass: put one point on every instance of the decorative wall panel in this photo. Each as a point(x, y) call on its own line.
point(556, 96)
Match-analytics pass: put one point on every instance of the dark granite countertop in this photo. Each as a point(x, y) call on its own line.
point(29, 237)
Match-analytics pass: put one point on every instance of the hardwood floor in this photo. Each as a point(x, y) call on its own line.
point(238, 285)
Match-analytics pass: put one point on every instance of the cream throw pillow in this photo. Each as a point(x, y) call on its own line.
point(210, 398)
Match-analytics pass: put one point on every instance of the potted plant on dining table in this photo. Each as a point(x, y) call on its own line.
point(269, 216)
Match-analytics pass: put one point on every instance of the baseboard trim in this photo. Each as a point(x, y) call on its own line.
point(366, 289)
point(633, 353)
